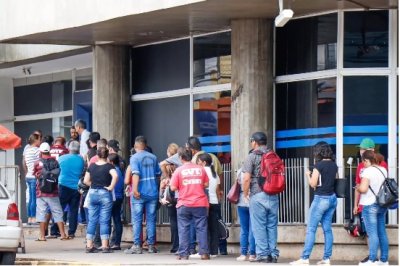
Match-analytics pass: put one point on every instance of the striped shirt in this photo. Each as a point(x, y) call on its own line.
point(31, 155)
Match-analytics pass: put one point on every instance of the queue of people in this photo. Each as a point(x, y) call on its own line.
point(189, 182)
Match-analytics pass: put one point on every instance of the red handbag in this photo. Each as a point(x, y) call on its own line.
point(234, 193)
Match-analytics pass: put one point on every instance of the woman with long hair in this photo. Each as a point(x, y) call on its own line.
point(372, 177)
point(102, 178)
point(322, 180)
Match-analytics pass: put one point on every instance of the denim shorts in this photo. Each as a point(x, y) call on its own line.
point(44, 204)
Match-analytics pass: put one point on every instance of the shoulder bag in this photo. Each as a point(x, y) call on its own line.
point(388, 193)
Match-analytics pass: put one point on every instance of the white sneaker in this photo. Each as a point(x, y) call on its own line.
point(300, 262)
point(195, 256)
point(242, 258)
point(367, 263)
point(213, 256)
point(324, 262)
point(386, 263)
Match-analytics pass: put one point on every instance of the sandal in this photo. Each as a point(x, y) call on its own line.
point(41, 239)
point(65, 238)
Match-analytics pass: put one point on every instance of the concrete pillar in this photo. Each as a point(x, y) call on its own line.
point(111, 94)
point(252, 91)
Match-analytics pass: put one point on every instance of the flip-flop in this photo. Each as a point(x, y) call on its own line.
point(65, 238)
point(40, 239)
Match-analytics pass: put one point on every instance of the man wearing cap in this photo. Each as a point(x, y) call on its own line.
point(263, 207)
point(72, 166)
point(47, 201)
point(366, 144)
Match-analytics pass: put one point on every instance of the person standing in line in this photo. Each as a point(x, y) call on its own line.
point(72, 166)
point(80, 127)
point(191, 180)
point(117, 204)
point(58, 148)
point(322, 180)
point(30, 156)
point(145, 179)
point(73, 135)
point(263, 207)
point(372, 178)
point(247, 241)
point(102, 178)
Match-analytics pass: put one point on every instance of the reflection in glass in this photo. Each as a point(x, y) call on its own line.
point(305, 45)
point(366, 37)
point(212, 59)
point(303, 105)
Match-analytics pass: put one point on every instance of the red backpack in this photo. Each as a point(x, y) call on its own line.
point(272, 172)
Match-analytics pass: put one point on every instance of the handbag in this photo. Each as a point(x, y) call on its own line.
point(223, 231)
point(341, 185)
point(234, 193)
point(388, 193)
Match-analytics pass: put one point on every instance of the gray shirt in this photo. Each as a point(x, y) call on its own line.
point(252, 165)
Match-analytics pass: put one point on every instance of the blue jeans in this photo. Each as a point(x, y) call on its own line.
point(70, 197)
point(264, 223)
point(321, 211)
point(100, 205)
point(138, 205)
point(247, 242)
point(185, 217)
point(116, 217)
point(374, 219)
point(31, 207)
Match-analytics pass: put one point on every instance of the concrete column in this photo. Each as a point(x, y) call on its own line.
point(111, 94)
point(252, 95)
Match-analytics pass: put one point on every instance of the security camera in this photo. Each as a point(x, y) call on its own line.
point(284, 16)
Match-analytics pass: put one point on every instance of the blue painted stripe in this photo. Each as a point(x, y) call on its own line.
point(365, 129)
point(215, 149)
point(305, 132)
point(284, 144)
point(215, 139)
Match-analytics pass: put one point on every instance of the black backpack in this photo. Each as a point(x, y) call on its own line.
point(48, 180)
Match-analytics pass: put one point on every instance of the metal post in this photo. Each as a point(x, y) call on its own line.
point(306, 189)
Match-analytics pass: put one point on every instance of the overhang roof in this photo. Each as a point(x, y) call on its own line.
point(181, 21)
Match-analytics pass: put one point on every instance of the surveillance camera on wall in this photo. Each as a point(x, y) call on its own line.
point(284, 16)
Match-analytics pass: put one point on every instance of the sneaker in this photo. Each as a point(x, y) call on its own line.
point(272, 259)
point(367, 263)
point(135, 249)
point(182, 257)
point(91, 250)
point(386, 263)
point(106, 250)
point(195, 256)
point(242, 258)
point(116, 247)
point(258, 259)
point(324, 262)
point(300, 262)
point(213, 256)
point(152, 249)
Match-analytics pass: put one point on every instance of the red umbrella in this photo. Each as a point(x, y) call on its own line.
point(8, 140)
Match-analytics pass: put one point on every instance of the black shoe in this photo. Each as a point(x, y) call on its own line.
point(182, 257)
point(116, 248)
point(261, 259)
point(152, 249)
point(272, 259)
point(106, 250)
point(91, 250)
point(192, 252)
point(173, 251)
point(367, 259)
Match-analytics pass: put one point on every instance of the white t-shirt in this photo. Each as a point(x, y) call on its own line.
point(31, 155)
point(376, 179)
point(212, 186)
point(83, 148)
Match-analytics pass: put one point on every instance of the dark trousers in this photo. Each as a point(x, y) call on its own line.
point(71, 197)
point(116, 218)
point(185, 216)
point(213, 236)
point(173, 221)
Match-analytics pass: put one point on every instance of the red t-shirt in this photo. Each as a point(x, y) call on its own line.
point(58, 150)
point(190, 179)
point(37, 172)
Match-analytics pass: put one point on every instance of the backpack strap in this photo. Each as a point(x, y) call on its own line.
point(383, 181)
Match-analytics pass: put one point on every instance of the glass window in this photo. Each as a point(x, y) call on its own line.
point(305, 114)
point(43, 98)
point(212, 59)
point(366, 38)
point(162, 121)
point(306, 45)
point(161, 67)
point(212, 117)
